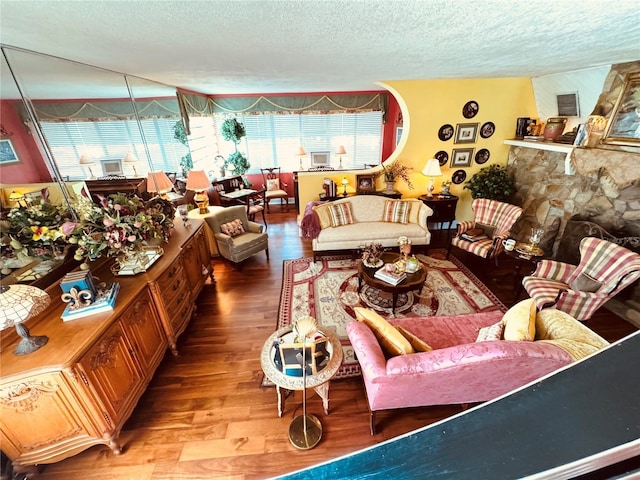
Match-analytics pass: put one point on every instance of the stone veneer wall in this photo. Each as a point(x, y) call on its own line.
point(549, 197)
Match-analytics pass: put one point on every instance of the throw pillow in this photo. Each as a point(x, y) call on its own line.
point(324, 216)
point(418, 344)
point(391, 340)
point(520, 321)
point(487, 229)
point(585, 283)
point(395, 211)
point(492, 332)
point(341, 214)
point(273, 184)
point(233, 228)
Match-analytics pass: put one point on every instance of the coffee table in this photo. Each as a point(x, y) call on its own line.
point(414, 281)
point(319, 382)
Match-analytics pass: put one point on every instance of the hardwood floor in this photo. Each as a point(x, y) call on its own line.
point(205, 414)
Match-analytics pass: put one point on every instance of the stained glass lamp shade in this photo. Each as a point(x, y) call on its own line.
point(18, 303)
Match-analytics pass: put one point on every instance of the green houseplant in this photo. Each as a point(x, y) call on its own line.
point(186, 162)
point(234, 131)
point(491, 182)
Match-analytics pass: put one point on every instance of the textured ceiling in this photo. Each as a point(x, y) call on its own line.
point(270, 46)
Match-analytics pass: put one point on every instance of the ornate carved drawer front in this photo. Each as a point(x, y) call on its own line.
point(172, 280)
point(24, 406)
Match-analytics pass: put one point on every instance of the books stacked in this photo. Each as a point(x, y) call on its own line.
point(390, 276)
point(104, 301)
point(474, 234)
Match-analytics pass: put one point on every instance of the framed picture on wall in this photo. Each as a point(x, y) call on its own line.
point(8, 154)
point(320, 159)
point(461, 157)
point(466, 133)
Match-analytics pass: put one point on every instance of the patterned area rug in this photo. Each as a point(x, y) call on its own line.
point(328, 290)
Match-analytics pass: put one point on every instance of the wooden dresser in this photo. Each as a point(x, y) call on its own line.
point(80, 388)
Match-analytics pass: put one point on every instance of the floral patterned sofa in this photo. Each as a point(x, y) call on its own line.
point(351, 222)
point(459, 366)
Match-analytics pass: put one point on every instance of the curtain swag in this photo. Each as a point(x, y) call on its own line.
point(200, 105)
point(108, 110)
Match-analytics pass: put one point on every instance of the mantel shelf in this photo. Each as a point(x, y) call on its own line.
point(549, 146)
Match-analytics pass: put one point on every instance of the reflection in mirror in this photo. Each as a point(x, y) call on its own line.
point(90, 122)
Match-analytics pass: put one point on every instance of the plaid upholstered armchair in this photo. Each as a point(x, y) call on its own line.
point(495, 219)
point(604, 270)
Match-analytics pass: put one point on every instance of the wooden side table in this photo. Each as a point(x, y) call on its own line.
point(529, 260)
point(444, 208)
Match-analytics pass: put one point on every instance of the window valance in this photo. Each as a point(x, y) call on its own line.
point(196, 104)
point(74, 111)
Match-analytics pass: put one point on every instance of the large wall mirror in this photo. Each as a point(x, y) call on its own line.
point(66, 124)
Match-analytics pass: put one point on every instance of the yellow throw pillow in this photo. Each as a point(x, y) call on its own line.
point(391, 340)
point(418, 344)
point(520, 321)
point(324, 215)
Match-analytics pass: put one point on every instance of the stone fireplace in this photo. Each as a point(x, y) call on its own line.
point(604, 189)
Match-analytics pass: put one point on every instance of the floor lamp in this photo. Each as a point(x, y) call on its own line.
point(305, 430)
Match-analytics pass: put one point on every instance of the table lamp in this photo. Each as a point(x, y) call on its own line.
point(86, 161)
point(158, 182)
point(301, 154)
point(198, 182)
point(431, 169)
point(344, 183)
point(341, 152)
point(130, 159)
point(16, 198)
point(18, 303)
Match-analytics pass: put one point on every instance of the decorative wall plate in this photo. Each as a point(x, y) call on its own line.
point(446, 132)
point(442, 157)
point(482, 156)
point(458, 177)
point(487, 129)
point(470, 109)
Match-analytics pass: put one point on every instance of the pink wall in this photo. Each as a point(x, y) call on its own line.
point(31, 168)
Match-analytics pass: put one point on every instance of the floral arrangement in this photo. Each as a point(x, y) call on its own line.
point(39, 230)
point(371, 253)
point(397, 171)
point(120, 225)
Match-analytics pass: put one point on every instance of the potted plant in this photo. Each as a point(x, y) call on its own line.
point(394, 172)
point(491, 182)
point(234, 131)
point(186, 162)
point(446, 185)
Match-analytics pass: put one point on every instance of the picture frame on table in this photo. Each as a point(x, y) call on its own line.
point(365, 183)
point(466, 133)
point(111, 167)
point(320, 159)
point(8, 155)
point(461, 157)
point(623, 127)
point(316, 357)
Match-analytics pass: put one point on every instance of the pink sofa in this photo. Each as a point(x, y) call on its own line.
point(458, 370)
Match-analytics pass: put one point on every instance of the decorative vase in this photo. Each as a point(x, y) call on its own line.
point(554, 128)
point(390, 186)
point(445, 190)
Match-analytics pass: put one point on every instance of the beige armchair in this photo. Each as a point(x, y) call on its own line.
point(237, 237)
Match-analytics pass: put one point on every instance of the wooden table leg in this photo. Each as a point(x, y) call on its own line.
point(323, 392)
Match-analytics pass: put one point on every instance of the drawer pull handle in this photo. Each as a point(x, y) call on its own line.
point(177, 285)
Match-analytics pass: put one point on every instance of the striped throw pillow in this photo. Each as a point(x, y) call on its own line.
point(341, 214)
point(396, 211)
